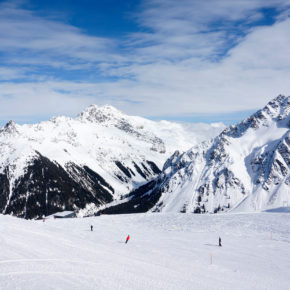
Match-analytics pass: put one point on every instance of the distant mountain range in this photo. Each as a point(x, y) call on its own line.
point(244, 168)
point(86, 162)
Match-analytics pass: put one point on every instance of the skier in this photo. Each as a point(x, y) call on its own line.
point(220, 241)
point(92, 228)
point(127, 239)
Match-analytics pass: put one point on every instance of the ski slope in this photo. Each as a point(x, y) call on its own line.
point(166, 251)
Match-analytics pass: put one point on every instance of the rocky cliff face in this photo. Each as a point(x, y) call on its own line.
point(245, 168)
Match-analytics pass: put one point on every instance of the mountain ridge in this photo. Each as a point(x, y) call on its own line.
point(246, 168)
point(101, 143)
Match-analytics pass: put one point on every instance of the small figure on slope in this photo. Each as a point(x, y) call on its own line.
point(127, 239)
point(220, 241)
point(92, 228)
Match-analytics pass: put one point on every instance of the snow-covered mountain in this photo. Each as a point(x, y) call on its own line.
point(70, 163)
point(245, 168)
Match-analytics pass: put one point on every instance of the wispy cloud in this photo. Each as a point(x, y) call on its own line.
point(188, 57)
point(208, 56)
point(29, 38)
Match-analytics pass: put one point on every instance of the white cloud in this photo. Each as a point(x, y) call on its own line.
point(7, 73)
point(178, 68)
point(193, 57)
point(23, 33)
point(33, 100)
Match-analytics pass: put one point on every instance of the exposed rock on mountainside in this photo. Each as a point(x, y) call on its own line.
point(245, 168)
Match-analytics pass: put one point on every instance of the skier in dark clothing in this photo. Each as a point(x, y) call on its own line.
point(92, 228)
point(127, 239)
point(220, 241)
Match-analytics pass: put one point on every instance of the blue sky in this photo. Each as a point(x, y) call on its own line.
point(107, 18)
point(186, 60)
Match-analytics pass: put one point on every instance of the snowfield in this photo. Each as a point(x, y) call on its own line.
point(166, 251)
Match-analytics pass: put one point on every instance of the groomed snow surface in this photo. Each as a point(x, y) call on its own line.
point(166, 251)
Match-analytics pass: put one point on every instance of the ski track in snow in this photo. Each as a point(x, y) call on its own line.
point(166, 251)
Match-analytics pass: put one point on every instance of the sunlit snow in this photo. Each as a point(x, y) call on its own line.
point(166, 251)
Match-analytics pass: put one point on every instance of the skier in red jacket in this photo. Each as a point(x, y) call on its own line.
point(127, 239)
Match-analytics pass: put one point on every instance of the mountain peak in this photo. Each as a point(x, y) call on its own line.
point(279, 99)
point(10, 127)
point(94, 113)
point(277, 110)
